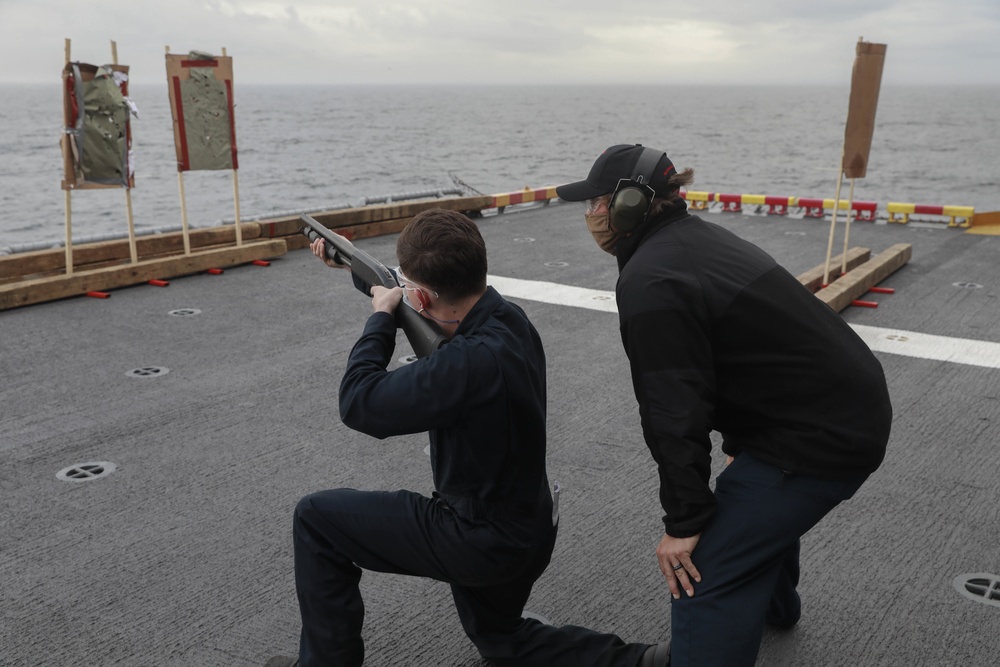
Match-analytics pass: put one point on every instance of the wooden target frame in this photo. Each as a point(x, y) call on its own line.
point(74, 75)
point(866, 81)
point(219, 69)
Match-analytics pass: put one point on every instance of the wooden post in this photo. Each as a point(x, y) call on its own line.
point(185, 230)
point(866, 77)
point(184, 213)
point(236, 198)
point(236, 193)
point(133, 250)
point(128, 183)
point(69, 234)
point(68, 197)
point(833, 223)
point(847, 229)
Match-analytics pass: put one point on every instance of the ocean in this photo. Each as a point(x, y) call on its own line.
point(324, 146)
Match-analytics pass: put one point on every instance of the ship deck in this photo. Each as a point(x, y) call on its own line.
point(183, 555)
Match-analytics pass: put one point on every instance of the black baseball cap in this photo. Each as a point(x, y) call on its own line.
point(613, 165)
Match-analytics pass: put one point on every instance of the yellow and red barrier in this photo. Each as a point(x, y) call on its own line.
point(816, 208)
point(775, 205)
point(865, 211)
point(730, 203)
point(699, 201)
point(901, 213)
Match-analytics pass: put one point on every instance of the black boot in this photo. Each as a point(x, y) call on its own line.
point(282, 661)
point(657, 655)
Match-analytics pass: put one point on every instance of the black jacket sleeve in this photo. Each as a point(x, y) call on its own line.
point(426, 394)
point(670, 354)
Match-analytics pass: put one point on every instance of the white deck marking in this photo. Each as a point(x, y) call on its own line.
point(927, 346)
point(560, 295)
point(891, 341)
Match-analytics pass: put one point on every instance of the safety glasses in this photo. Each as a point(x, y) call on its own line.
point(596, 204)
point(411, 286)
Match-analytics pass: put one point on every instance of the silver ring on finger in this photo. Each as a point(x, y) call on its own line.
point(678, 567)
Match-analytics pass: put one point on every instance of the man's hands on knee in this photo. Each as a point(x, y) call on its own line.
point(674, 556)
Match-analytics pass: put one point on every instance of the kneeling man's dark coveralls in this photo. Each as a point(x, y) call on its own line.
point(488, 530)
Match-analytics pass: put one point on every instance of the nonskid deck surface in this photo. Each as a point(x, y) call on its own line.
point(182, 555)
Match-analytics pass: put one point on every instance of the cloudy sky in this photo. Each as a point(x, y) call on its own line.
point(513, 41)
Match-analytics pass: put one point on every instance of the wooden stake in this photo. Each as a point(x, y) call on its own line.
point(131, 226)
point(68, 197)
point(236, 198)
point(184, 213)
point(69, 234)
point(847, 229)
point(128, 183)
point(236, 193)
point(185, 229)
point(833, 223)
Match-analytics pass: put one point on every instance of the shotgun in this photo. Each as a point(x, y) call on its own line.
point(424, 335)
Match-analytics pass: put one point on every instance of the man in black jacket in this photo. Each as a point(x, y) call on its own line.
point(720, 337)
point(489, 528)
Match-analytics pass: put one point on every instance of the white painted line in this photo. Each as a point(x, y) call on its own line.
point(891, 341)
point(926, 346)
point(560, 295)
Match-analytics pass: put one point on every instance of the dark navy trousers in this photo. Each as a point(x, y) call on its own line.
point(748, 558)
point(340, 533)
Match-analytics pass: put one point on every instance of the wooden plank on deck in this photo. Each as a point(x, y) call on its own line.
point(855, 283)
point(39, 290)
point(38, 262)
point(813, 278)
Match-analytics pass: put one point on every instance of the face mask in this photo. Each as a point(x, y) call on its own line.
point(599, 225)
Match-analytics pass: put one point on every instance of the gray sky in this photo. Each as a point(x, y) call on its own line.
point(513, 41)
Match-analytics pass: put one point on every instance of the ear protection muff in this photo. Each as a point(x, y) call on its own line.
point(633, 197)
